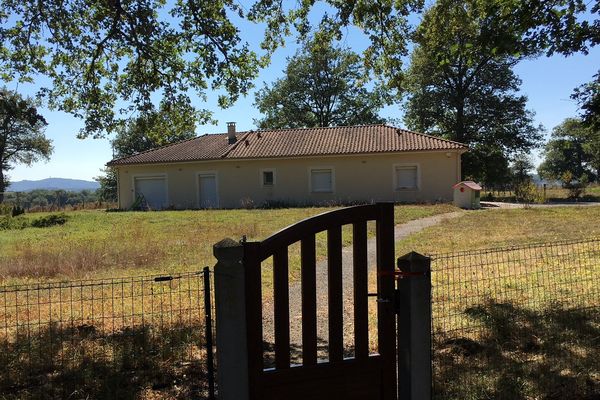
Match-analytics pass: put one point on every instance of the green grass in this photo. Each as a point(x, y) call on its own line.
point(494, 228)
point(101, 244)
point(520, 323)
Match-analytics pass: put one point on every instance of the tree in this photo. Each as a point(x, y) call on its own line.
point(154, 128)
point(521, 168)
point(108, 185)
point(323, 86)
point(105, 59)
point(572, 148)
point(588, 97)
point(22, 139)
point(461, 86)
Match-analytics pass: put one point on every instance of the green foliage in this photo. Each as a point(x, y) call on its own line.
point(323, 85)
point(574, 148)
point(462, 87)
point(50, 220)
point(170, 123)
point(8, 222)
point(527, 192)
point(575, 186)
point(53, 198)
point(17, 210)
point(521, 168)
point(108, 185)
point(22, 139)
point(588, 97)
point(107, 59)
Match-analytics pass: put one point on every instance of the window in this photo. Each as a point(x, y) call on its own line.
point(321, 180)
point(406, 177)
point(268, 178)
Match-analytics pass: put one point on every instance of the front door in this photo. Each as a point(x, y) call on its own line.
point(208, 191)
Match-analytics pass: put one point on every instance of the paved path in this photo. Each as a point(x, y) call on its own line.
point(401, 231)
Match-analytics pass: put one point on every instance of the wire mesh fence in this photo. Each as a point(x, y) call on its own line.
point(138, 337)
point(517, 322)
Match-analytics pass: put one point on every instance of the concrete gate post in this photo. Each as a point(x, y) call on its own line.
point(230, 309)
point(414, 327)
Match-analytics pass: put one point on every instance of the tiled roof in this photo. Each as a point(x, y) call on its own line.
point(287, 143)
point(469, 184)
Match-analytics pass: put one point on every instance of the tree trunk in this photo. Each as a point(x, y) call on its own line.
point(2, 186)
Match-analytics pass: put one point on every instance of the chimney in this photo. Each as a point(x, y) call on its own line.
point(231, 132)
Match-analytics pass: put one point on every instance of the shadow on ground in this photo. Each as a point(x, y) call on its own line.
point(521, 354)
point(81, 362)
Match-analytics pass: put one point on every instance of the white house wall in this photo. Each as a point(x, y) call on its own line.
point(356, 178)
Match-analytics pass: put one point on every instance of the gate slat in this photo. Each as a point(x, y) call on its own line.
point(334, 286)
point(309, 301)
point(282, 308)
point(385, 287)
point(361, 306)
point(254, 331)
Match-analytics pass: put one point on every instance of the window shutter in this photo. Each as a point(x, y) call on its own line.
point(406, 177)
point(321, 180)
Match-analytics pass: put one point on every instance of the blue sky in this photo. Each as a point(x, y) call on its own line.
point(547, 82)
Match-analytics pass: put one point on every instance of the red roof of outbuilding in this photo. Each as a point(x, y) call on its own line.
point(469, 184)
point(289, 143)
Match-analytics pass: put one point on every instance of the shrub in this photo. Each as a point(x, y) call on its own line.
point(17, 210)
point(247, 203)
point(7, 222)
point(50, 220)
point(528, 193)
point(576, 187)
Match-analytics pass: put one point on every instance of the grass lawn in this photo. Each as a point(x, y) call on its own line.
point(547, 350)
point(101, 244)
point(517, 323)
point(553, 194)
point(494, 228)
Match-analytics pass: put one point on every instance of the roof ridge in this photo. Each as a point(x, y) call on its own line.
point(315, 127)
point(433, 137)
point(158, 148)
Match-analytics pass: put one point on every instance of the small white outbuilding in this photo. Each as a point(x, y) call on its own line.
point(467, 194)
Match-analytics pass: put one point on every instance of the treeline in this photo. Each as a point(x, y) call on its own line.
point(50, 200)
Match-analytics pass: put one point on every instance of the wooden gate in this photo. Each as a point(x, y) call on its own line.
point(364, 376)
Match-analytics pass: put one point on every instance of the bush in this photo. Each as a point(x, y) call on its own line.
point(528, 193)
point(7, 222)
point(576, 187)
point(50, 220)
point(17, 210)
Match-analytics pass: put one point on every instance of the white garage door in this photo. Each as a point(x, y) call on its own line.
point(154, 191)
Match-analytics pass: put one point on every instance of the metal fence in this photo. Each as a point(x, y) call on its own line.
point(517, 322)
point(138, 337)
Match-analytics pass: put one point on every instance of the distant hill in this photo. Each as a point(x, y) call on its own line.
point(72, 185)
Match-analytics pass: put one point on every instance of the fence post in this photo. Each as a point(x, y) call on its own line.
point(414, 327)
point(230, 308)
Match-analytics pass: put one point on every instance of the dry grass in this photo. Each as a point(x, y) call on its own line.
point(119, 339)
point(494, 228)
point(108, 244)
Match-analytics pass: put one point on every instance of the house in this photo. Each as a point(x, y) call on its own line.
point(292, 166)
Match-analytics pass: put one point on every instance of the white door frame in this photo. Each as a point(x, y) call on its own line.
point(207, 173)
